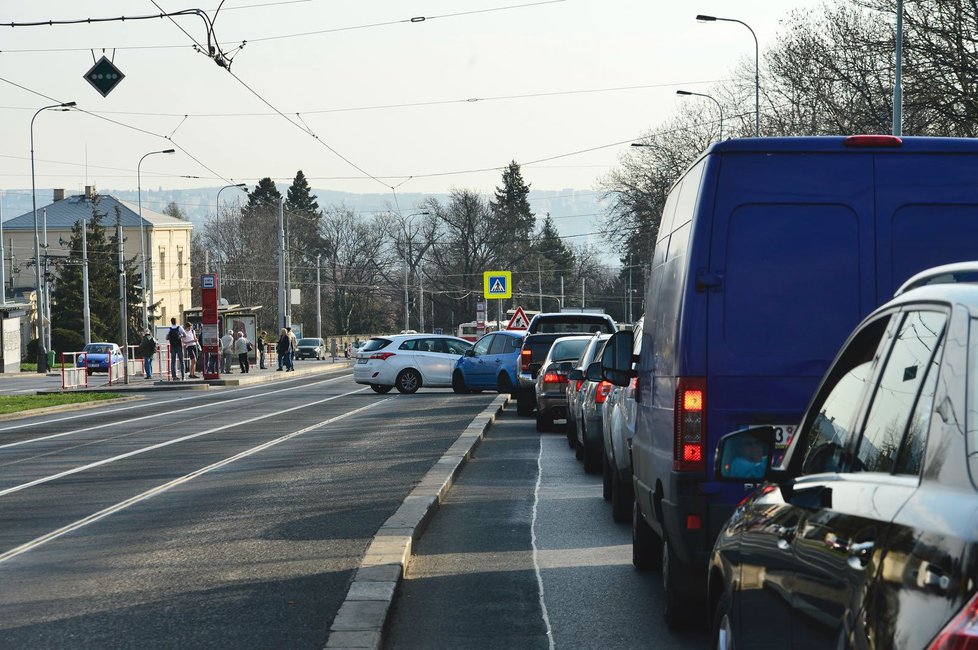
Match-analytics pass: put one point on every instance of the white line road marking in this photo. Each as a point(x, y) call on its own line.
point(144, 417)
point(122, 505)
point(536, 551)
point(160, 445)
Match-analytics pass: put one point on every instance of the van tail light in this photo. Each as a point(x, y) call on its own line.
point(525, 358)
point(860, 141)
point(554, 378)
point(961, 632)
point(689, 433)
point(383, 356)
point(602, 392)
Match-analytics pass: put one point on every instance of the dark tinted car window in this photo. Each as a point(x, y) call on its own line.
point(892, 411)
point(572, 323)
point(375, 344)
point(567, 350)
point(309, 342)
point(501, 344)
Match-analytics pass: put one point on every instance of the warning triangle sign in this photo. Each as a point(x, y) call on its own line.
point(519, 321)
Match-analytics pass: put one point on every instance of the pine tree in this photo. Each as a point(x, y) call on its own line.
point(512, 216)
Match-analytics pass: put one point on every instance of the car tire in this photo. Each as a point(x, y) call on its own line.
point(458, 383)
point(592, 463)
point(606, 479)
point(408, 381)
point(524, 404)
point(621, 496)
point(571, 431)
point(383, 390)
point(646, 545)
point(678, 608)
point(578, 447)
point(723, 635)
point(504, 384)
point(544, 422)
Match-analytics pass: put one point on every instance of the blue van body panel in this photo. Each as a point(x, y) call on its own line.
point(770, 252)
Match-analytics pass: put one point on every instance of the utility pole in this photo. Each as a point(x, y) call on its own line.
point(86, 309)
point(420, 298)
point(561, 292)
point(630, 292)
point(123, 329)
point(281, 263)
point(3, 262)
point(540, 284)
point(47, 280)
point(319, 296)
point(898, 74)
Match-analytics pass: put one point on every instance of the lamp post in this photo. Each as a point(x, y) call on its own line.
point(407, 266)
point(687, 93)
point(898, 74)
point(142, 236)
point(757, 67)
point(42, 353)
point(217, 224)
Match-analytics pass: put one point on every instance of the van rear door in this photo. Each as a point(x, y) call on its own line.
point(793, 243)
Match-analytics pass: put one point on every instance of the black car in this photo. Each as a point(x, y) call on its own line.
point(311, 348)
point(864, 532)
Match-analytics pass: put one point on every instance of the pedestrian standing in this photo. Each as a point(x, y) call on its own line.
point(227, 349)
point(148, 347)
point(293, 348)
point(191, 349)
point(242, 346)
point(333, 350)
point(282, 348)
point(262, 342)
point(174, 337)
point(348, 352)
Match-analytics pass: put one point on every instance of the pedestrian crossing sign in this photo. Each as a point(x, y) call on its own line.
point(497, 284)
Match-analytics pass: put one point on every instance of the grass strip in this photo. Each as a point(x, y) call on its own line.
point(18, 403)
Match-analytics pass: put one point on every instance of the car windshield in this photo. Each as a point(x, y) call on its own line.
point(98, 348)
point(568, 350)
point(311, 342)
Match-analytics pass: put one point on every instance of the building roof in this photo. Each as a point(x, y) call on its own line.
point(65, 213)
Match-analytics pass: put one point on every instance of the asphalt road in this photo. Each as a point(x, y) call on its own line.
point(523, 554)
point(228, 517)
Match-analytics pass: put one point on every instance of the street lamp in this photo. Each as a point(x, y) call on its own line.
point(42, 353)
point(142, 236)
point(217, 220)
point(687, 93)
point(757, 68)
point(407, 266)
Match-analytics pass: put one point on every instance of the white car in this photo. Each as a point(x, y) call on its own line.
point(408, 361)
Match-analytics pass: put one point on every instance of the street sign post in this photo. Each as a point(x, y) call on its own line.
point(104, 76)
point(210, 336)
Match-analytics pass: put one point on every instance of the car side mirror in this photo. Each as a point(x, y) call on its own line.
point(745, 455)
point(576, 374)
point(616, 359)
point(470, 352)
point(593, 372)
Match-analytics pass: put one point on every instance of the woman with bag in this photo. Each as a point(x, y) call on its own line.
point(242, 346)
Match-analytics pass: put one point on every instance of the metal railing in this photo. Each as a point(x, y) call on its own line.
point(71, 375)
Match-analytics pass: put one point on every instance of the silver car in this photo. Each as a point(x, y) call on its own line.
point(618, 428)
point(551, 384)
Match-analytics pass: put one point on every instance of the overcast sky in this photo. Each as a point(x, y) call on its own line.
point(387, 99)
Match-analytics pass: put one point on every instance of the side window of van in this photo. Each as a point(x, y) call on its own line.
point(688, 193)
point(665, 223)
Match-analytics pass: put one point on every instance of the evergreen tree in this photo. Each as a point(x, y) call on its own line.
point(67, 309)
point(302, 225)
point(174, 210)
point(554, 260)
point(511, 214)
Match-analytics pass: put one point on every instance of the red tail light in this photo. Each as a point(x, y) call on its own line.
point(602, 392)
point(579, 383)
point(554, 378)
point(383, 356)
point(690, 425)
point(525, 357)
point(961, 632)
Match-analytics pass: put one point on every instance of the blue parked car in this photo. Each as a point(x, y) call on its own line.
point(491, 364)
point(97, 357)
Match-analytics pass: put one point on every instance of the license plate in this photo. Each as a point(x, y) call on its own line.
point(93, 364)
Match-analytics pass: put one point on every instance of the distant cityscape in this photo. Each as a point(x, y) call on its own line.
point(576, 213)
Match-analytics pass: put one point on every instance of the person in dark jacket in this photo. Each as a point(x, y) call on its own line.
point(283, 347)
point(262, 341)
point(147, 350)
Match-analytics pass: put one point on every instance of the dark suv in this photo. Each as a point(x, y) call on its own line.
point(865, 533)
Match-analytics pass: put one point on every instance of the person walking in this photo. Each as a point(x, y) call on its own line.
point(191, 349)
point(333, 350)
point(227, 349)
point(242, 346)
point(282, 348)
point(293, 348)
point(174, 337)
point(148, 347)
point(262, 342)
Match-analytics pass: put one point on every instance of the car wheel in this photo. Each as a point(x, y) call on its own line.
point(678, 607)
point(621, 496)
point(590, 457)
point(524, 404)
point(646, 545)
point(544, 422)
point(723, 636)
point(458, 382)
point(383, 390)
point(605, 479)
point(571, 430)
point(408, 381)
point(504, 384)
point(578, 436)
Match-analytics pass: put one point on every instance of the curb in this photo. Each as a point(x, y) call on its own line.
point(67, 407)
point(360, 620)
point(318, 370)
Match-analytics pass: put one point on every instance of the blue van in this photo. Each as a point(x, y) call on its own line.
point(769, 252)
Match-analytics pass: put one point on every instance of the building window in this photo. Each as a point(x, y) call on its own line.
point(180, 266)
point(162, 264)
point(181, 310)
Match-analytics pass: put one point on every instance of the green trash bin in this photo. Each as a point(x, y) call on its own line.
point(50, 358)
